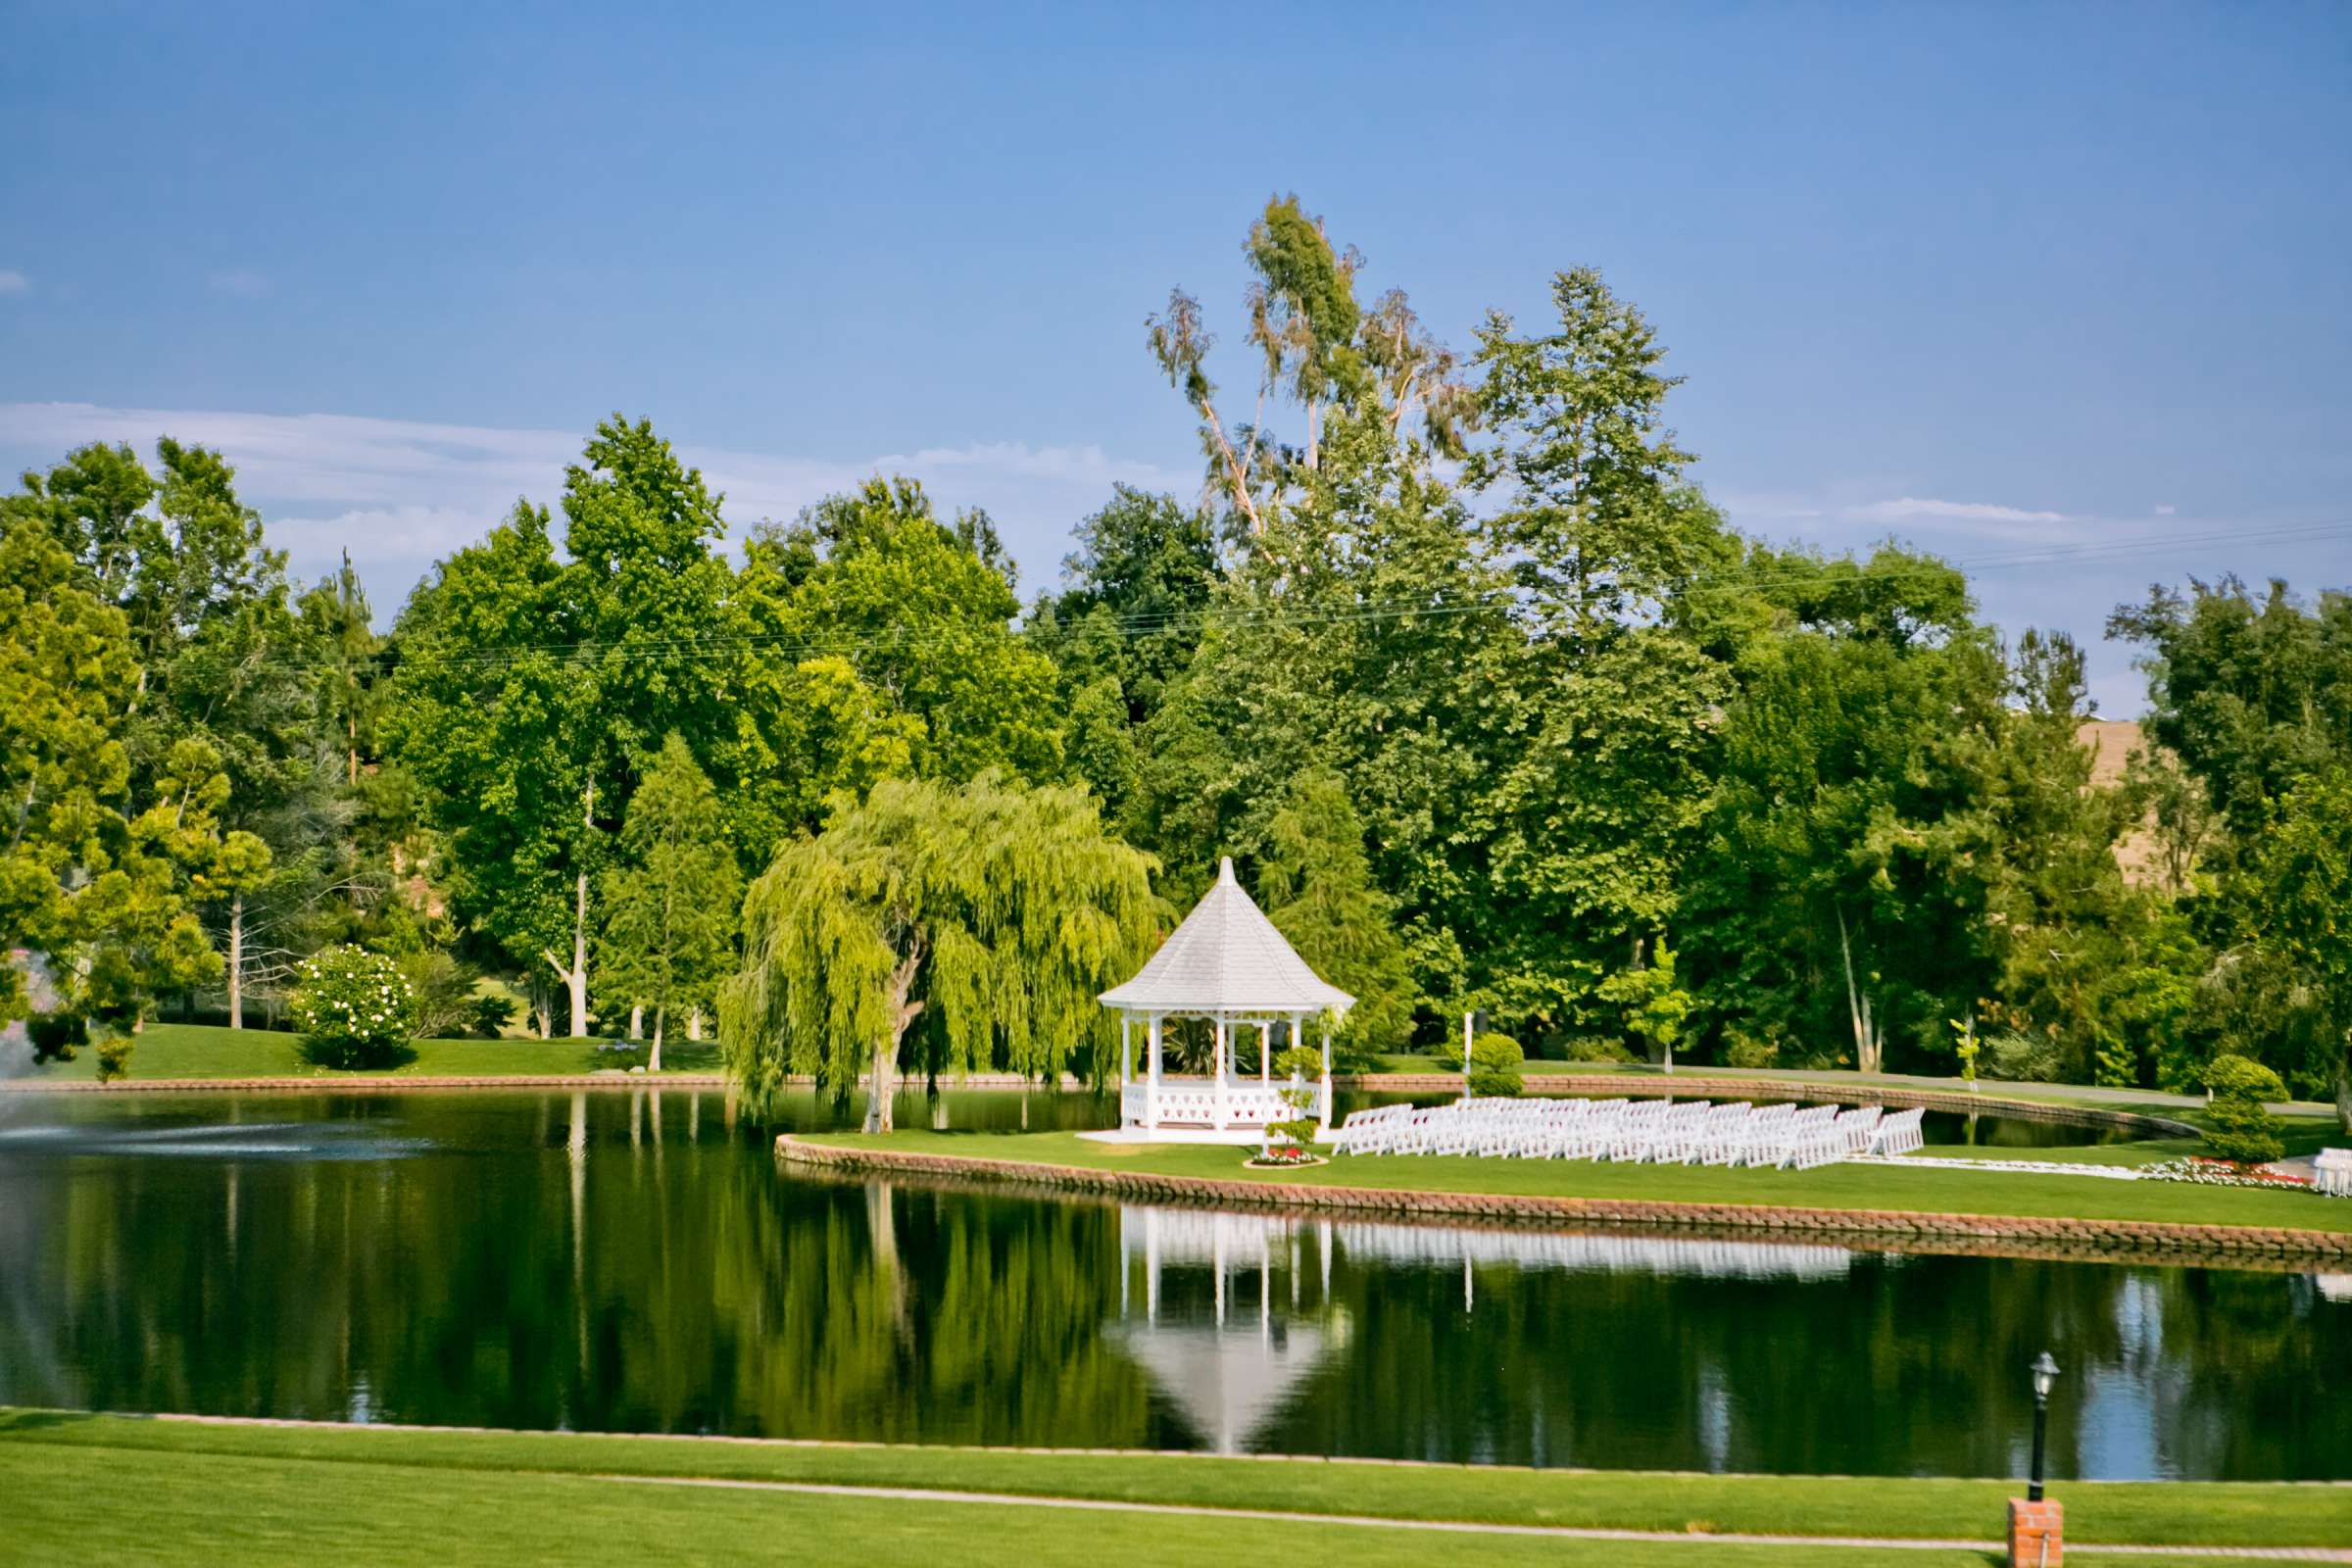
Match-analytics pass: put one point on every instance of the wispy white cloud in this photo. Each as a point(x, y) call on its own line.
point(239, 283)
point(14, 282)
point(2166, 510)
point(1913, 509)
point(402, 492)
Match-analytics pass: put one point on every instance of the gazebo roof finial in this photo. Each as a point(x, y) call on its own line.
point(1227, 958)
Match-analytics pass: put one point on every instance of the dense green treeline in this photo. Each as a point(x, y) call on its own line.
point(1450, 652)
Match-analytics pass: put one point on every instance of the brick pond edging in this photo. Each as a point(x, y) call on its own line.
point(1923, 1231)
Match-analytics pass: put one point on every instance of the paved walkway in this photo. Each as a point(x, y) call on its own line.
point(1453, 1527)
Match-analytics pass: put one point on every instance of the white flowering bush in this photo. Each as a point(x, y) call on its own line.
point(354, 1007)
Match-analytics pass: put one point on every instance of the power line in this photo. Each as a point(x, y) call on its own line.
point(1137, 626)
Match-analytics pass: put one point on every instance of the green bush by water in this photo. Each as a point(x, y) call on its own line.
point(1495, 1064)
point(2239, 1123)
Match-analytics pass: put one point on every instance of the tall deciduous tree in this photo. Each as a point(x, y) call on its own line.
point(923, 612)
point(533, 690)
point(1823, 906)
point(2303, 882)
point(66, 673)
point(500, 723)
point(984, 918)
point(670, 910)
point(1605, 541)
point(1315, 883)
point(2251, 694)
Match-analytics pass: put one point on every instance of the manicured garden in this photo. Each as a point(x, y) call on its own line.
point(246, 1492)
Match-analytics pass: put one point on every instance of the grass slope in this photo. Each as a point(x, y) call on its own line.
point(223, 1492)
point(209, 1051)
point(2008, 1194)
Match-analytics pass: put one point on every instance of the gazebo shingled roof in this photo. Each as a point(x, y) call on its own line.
point(1227, 959)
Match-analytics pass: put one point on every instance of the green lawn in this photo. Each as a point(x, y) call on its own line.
point(1846, 1186)
point(106, 1487)
point(211, 1051)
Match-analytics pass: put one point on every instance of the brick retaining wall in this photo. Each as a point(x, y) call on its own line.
point(2140, 1240)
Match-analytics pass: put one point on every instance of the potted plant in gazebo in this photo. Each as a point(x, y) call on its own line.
point(1291, 1142)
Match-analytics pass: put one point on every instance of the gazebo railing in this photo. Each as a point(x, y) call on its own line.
point(1202, 1103)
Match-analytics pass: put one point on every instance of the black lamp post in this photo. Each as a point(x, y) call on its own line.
point(2045, 1373)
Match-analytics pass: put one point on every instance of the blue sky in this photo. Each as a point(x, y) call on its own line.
point(2062, 290)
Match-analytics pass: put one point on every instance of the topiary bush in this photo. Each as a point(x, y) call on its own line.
point(1495, 1064)
point(2239, 1127)
point(355, 1009)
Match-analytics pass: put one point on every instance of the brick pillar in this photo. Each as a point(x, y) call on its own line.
point(2036, 1533)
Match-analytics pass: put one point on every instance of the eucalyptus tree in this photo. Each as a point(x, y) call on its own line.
point(974, 924)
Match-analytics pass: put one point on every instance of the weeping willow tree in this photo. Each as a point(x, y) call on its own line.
point(974, 925)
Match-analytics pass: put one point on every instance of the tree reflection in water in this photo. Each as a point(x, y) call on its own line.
point(625, 1260)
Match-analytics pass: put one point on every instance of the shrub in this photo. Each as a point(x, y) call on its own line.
point(354, 1007)
point(1746, 1050)
point(492, 1014)
point(441, 993)
point(1495, 1062)
point(1299, 1071)
point(57, 1035)
point(114, 1057)
point(1595, 1048)
point(2238, 1126)
point(2021, 1058)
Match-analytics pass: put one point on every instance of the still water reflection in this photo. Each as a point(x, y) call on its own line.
point(623, 1261)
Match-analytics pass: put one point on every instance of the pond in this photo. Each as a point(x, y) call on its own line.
point(623, 1260)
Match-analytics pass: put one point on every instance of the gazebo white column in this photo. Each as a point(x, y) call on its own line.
point(1224, 1110)
point(1327, 1080)
point(1151, 1089)
point(1226, 965)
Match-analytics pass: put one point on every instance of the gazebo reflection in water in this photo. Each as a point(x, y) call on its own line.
point(1228, 1379)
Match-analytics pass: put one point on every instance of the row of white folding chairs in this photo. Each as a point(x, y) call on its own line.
point(2331, 1172)
point(1897, 1134)
point(1653, 1130)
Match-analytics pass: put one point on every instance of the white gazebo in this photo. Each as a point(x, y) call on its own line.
point(1228, 964)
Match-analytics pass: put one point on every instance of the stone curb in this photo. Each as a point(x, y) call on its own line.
point(2183, 1243)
